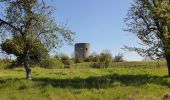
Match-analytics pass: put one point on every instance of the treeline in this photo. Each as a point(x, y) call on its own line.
point(42, 59)
point(103, 60)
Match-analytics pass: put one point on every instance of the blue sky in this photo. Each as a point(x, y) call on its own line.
point(98, 22)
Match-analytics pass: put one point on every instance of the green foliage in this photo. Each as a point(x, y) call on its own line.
point(78, 60)
point(93, 58)
point(89, 59)
point(51, 63)
point(105, 60)
point(12, 46)
point(32, 19)
point(96, 58)
point(37, 53)
point(149, 20)
point(98, 65)
point(5, 63)
point(65, 59)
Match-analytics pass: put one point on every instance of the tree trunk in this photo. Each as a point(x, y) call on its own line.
point(168, 63)
point(26, 64)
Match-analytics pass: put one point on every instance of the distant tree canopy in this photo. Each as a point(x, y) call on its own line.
point(149, 20)
point(31, 19)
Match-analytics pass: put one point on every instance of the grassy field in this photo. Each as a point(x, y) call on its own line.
point(85, 84)
point(137, 64)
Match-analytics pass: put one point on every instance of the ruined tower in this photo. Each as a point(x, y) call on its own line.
point(82, 50)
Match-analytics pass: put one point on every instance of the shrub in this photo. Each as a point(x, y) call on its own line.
point(98, 65)
point(89, 59)
point(79, 60)
point(6, 63)
point(118, 58)
point(65, 59)
point(94, 57)
point(105, 60)
point(51, 63)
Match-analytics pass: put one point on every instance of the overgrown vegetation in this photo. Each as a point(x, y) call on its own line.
point(65, 59)
point(51, 63)
point(142, 81)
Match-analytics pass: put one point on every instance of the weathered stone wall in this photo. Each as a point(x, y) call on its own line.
point(82, 50)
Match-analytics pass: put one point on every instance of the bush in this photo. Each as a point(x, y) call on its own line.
point(105, 60)
point(79, 60)
point(65, 59)
point(118, 58)
point(89, 59)
point(94, 57)
point(98, 65)
point(6, 63)
point(51, 63)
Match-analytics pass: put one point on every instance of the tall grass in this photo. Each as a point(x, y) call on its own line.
point(86, 84)
point(132, 64)
point(122, 81)
point(137, 64)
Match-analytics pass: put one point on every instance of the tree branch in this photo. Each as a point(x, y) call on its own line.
point(10, 25)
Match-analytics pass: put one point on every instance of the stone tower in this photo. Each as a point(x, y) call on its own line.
point(82, 50)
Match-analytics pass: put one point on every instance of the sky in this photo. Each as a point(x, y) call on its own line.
point(98, 22)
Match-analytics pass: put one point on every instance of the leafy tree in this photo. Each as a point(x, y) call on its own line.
point(32, 19)
point(15, 46)
point(149, 20)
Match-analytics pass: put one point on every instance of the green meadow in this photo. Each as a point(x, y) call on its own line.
point(115, 83)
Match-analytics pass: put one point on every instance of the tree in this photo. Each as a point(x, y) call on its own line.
point(15, 46)
point(149, 20)
point(32, 19)
point(118, 58)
